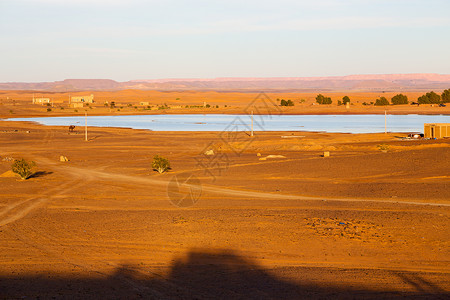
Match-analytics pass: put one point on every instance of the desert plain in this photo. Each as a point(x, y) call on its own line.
point(264, 217)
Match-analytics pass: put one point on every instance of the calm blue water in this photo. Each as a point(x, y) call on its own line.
point(215, 122)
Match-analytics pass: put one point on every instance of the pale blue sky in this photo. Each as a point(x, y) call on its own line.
point(48, 40)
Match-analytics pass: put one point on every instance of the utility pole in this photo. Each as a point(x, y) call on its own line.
point(85, 127)
point(385, 122)
point(252, 124)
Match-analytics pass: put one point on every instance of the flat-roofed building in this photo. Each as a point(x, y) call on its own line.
point(76, 104)
point(41, 101)
point(83, 99)
point(436, 130)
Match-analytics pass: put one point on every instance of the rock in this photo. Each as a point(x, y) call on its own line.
point(258, 154)
point(272, 156)
point(63, 158)
point(209, 152)
point(275, 156)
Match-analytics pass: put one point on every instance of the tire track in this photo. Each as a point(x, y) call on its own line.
point(101, 175)
point(20, 209)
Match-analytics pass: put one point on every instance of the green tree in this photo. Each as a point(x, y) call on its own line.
point(321, 99)
point(399, 99)
point(23, 168)
point(446, 96)
point(381, 101)
point(429, 98)
point(286, 102)
point(160, 164)
point(345, 100)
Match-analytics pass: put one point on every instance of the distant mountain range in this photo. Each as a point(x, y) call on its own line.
point(387, 82)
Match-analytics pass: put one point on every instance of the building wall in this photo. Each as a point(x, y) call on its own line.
point(41, 100)
point(76, 104)
point(437, 131)
point(85, 99)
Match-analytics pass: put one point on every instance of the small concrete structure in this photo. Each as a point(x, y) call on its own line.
point(82, 99)
point(436, 130)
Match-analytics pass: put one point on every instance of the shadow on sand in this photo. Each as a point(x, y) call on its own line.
point(208, 275)
point(40, 174)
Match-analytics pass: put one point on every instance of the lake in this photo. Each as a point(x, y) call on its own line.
point(220, 122)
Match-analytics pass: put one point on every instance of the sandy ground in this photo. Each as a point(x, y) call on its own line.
point(19, 103)
point(358, 224)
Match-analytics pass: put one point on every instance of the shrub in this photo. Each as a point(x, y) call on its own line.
point(286, 102)
point(321, 99)
point(399, 99)
point(345, 100)
point(381, 101)
point(429, 98)
point(160, 164)
point(49, 109)
point(446, 96)
point(23, 168)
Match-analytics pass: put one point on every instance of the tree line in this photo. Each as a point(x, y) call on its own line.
point(428, 98)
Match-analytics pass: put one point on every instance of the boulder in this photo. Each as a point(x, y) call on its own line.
point(209, 152)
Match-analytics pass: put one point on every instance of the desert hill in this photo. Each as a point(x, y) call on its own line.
point(383, 82)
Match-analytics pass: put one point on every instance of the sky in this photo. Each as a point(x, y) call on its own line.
point(51, 40)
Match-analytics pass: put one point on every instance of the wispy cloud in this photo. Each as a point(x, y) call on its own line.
point(258, 25)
